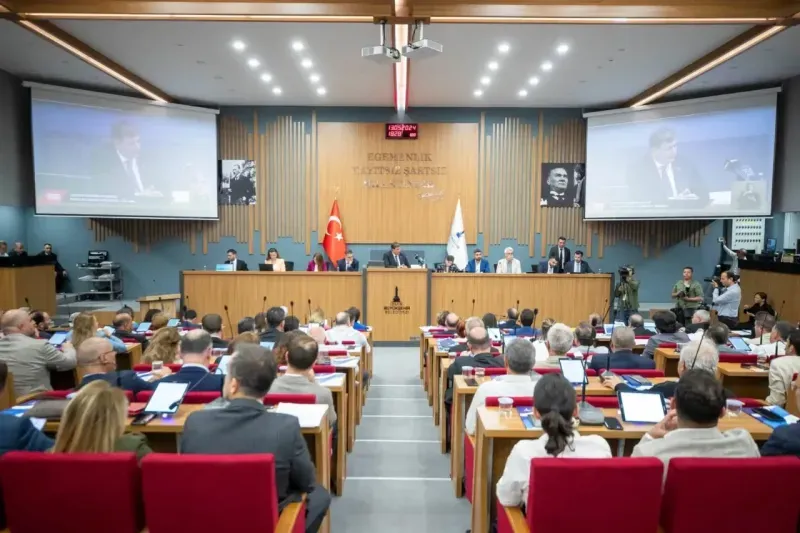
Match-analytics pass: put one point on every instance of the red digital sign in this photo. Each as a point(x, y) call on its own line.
point(402, 131)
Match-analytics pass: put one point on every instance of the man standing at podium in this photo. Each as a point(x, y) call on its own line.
point(395, 258)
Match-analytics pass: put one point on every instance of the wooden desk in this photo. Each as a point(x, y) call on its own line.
point(339, 459)
point(131, 358)
point(667, 361)
point(169, 304)
point(442, 408)
point(36, 283)
point(744, 382)
point(8, 398)
point(353, 388)
point(496, 436)
point(569, 298)
point(396, 302)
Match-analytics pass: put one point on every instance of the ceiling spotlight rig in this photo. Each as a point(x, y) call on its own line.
point(417, 46)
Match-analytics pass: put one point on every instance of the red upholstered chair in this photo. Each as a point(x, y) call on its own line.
point(444, 335)
point(603, 402)
point(635, 481)
point(469, 466)
point(251, 498)
point(722, 486)
point(334, 353)
point(667, 345)
point(751, 402)
point(494, 371)
point(737, 358)
point(62, 394)
point(519, 401)
point(645, 373)
point(147, 367)
point(85, 492)
point(546, 370)
point(191, 398)
point(324, 369)
point(275, 399)
point(642, 337)
point(347, 343)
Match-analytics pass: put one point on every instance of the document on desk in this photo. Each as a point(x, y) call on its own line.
point(345, 361)
point(331, 380)
point(641, 342)
point(309, 416)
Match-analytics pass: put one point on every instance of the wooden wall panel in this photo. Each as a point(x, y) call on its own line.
point(402, 199)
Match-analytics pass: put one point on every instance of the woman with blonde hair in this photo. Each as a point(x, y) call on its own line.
point(163, 347)
point(317, 316)
point(85, 326)
point(94, 422)
point(248, 337)
point(160, 321)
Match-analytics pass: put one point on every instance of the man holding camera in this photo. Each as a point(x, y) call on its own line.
point(688, 294)
point(627, 294)
point(726, 299)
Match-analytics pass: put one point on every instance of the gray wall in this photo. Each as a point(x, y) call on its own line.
point(16, 176)
point(787, 158)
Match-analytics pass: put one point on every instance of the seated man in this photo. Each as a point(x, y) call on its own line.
point(777, 340)
point(355, 316)
point(480, 355)
point(719, 335)
point(549, 267)
point(195, 351)
point(762, 327)
point(43, 323)
point(519, 381)
point(622, 343)
point(700, 320)
point(667, 327)
point(690, 428)
point(451, 322)
point(636, 322)
point(17, 433)
point(212, 324)
point(559, 342)
point(190, 320)
point(342, 330)
point(245, 426)
point(511, 323)
point(246, 324)
point(785, 440)
point(783, 369)
point(98, 361)
point(299, 377)
point(274, 332)
point(584, 342)
point(526, 328)
point(123, 329)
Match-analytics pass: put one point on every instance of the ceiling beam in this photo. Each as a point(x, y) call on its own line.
point(727, 51)
point(55, 35)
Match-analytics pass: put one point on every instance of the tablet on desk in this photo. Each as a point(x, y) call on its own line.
point(267, 345)
point(739, 344)
point(57, 339)
point(642, 407)
point(166, 398)
point(143, 327)
point(222, 365)
point(573, 370)
point(608, 329)
point(173, 322)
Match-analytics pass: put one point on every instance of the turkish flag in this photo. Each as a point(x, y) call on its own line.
point(334, 243)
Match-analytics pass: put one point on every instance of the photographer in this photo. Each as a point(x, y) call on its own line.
point(727, 299)
point(627, 294)
point(689, 296)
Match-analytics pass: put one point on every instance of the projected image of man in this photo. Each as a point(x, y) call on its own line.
point(119, 169)
point(662, 175)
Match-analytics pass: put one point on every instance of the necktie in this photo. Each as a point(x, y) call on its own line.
point(560, 256)
point(397, 258)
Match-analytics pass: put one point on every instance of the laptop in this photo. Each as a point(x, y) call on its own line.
point(57, 339)
point(265, 268)
point(173, 322)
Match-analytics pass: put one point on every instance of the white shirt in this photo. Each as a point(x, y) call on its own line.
point(512, 488)
point(549, 269)
point(541, 351)
point(577, 267)
point(666, 171)
point(397, 259)
point(134, 169)
point(764, 339)
point(508, 385)
point(781, 372)
point(504, 266)
point(771, 349)
point(346, 333)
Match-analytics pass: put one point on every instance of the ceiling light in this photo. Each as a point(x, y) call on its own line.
point(478, 93)
point(503, 48)
point(253, 62)
point(486, 80)
point(562, 49)
point(534, 81)
point(306, 63)
point(297, 46)
point(547, 66)
point(523, 93)
point(238, 45)
point(266, 78)
point(314, 78)
point(276, 90)
point(321, 91)
point(493, 65)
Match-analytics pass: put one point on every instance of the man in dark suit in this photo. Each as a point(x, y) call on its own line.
point(196, 356)
point(395, 258)
point(233, 259)
point(662, 177)
point(478, 265)
point(636, 322)
point(123, 329)
point(561, 253)
point(480, 347)
point(348, 264)
point(98, 361)
point(578, 265)
point(246, 427)
point(212, 324)
point(18, 251)
point(274, 331)
point(700, 320)
point(622, 343)
point(18, 434)
point(61, 274)
point(549, 267)
point(511, 323)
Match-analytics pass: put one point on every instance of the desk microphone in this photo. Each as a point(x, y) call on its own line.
point(588, 414)
point(535, 314)
point(608, 309)
point(28, 304)
point(66, 304)
point(291, 306)
point(473, 308)
point(185, 306)
point(228, 317)
point(420, 261)
point(517, 305)
point(264, 305)
point(308, 314)
point(778, 316)
point(607, 373)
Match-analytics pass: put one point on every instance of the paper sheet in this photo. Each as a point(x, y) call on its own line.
point(309, 416)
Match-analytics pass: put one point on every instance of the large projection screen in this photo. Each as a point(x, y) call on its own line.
point(102, 155)
point(702, 158)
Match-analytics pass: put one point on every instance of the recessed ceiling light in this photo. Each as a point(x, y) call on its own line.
point(534, 81)
point(523, 93)
point(253, 62)
point(297, 46)
point(486, 80)
point(321, 91)
point(314, 78)
point(562, 49)
point(306, 63)
point(266, 78)
point(503, 48)
point(493, 65)
point(478, 93)
point(238, 45)
point(276, 90)
point(547, 66)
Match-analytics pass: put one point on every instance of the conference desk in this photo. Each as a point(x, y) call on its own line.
point(744, 382)
point(667, 361)
point(497, 434)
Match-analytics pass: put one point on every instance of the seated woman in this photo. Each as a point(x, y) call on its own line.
point(317, 316)
point(85, 326)
point(248, 337)
point(274, 259)
point(317, 264)
point(148, 317)
point(94, 422)
point(759, 304)
point(163, 347)
point(554, 407)
point(159, 321)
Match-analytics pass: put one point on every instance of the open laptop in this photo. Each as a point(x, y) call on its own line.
point(265, 268)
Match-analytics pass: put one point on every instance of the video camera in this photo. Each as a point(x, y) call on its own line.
point(625, 271)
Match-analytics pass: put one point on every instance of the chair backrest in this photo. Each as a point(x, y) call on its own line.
point(667, 345)
point(85, 492)
point(603, 402)
point(7, 397)
point(332, 353)
point(495, 371)
point(324, 369)
point(575, 492)
point(444, 335)
point(737, 358)
point(62, 394)
point(702, 495)
point(275, 399)
point(644, 372)
point(751, 402)
point(519, 401)
point(147, 367)
point(191, 398)
point(250, 503)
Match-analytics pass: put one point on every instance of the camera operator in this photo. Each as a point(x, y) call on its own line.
point(688, 294)
point(627, 294)
point(727, 299)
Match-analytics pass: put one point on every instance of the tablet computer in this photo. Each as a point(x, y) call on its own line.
point(267, 345)
point(573, 370)
point(222, 365)
point(166, 398)
point(57, 339)
point(642, 407)
point(143, 327)
point(608, 329)
point(173, 322)
point(739, 344)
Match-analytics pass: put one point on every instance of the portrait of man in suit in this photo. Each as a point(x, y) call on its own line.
point(579, 185)
point(121, 169)
point(557, 190)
